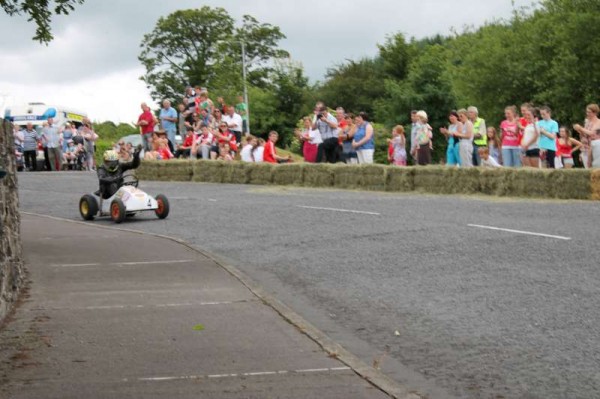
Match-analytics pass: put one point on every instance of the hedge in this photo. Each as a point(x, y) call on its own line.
point(529, 183)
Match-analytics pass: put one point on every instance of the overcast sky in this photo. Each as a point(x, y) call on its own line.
point(92, 63)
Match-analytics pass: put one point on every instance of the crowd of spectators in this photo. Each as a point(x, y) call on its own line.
point(64, 147)
point(528, 137)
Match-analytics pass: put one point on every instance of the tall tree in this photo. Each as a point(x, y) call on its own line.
point(202, 47)
point(40, 12)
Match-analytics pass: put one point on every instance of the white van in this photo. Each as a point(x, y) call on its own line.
point(38, 113)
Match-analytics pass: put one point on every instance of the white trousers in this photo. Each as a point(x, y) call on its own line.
point(365, 156)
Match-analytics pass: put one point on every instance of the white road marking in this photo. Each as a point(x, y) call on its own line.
point(212, 200)
point(250, 374)
point(339, 210)
point(529, 233)
point(120, 264)
point(167, 305)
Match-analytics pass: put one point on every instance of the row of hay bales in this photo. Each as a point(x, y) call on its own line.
point(532, 183)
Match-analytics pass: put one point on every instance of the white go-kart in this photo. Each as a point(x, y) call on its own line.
point(127, 201)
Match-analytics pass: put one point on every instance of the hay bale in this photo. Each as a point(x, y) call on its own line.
point(260, 173)
point(529, 183)
point(147, 170)
point(432, 179)
point(595, 184)
point(572, 183)
point(493, 181)
point(400, 179)
point(288, 174)
point(174, 170)
point(208, 171)
point(363, 177)
point(318, 175)
point(236, 173)
point(463, 180)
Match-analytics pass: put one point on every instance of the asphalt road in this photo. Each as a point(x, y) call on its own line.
point(404, 280)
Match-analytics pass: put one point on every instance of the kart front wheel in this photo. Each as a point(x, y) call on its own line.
point(117, 211)
point(163, 206)
point(88, 207)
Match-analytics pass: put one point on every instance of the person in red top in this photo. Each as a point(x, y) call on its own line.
point(186, 147)
point(146, 124)
point(222, 136)
point(270, 153)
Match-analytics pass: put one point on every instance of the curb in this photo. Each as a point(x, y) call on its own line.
point(332, 348)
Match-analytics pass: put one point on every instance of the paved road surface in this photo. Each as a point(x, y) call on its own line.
point(445, 307)
point(113, 314)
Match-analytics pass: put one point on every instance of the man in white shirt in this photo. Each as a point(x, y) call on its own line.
point(234, 122)
point(51, 137)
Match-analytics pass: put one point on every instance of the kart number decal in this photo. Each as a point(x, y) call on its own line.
point(149, 203)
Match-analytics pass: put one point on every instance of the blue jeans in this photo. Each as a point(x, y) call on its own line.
point(171, 133)
point(511, 157)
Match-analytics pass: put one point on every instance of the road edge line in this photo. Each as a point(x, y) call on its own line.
point(375, 377)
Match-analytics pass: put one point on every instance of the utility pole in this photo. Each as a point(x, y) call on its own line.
point(245, 86)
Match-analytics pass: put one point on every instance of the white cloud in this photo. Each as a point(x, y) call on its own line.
point(92, 63)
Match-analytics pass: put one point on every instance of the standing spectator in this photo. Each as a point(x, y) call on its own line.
point(203, 102)
point(51, 137)
point(168, 122)
point(564, 147)
point(221, 105)
point(90, 143)
point(30, 144)
point(494, 144)
point(349, 155)
point(509, 128)
point(529, 142)
point(479, 133)
point(424, 135)
point(270, 152)
point(453, 150)
point(311, 139)
point(364, 139)
point(414, 145)
point(548, 129)
point(327, 125)
point(146, 124)
point(592, 123)
point(465, 136)
point(397, 149)
point(594, 152)
point(234, 123)
point(181, 126)
point(241, 108)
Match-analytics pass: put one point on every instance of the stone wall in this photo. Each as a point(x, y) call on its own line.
point(11, 261)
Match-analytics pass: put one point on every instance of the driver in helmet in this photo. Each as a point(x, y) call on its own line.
point(110, 174)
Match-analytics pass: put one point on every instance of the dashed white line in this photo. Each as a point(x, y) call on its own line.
point(520, 232)
point(250, 374)
point(121, 264)
point(167, 305)
point(338, 210)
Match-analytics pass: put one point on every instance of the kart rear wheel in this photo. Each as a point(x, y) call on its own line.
point(163, 206)
point(117, 211)
point(88, 207)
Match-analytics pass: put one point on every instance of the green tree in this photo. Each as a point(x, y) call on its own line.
point(202, 47)
point(428, 86)
point(354, 85)
point(40, 12)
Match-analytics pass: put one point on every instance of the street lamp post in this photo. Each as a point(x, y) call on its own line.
point(244, 73)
